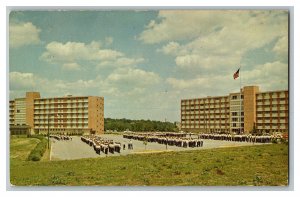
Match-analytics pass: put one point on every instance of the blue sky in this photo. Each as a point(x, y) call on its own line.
point(145, 62)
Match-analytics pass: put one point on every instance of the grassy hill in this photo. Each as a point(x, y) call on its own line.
point(255, 165)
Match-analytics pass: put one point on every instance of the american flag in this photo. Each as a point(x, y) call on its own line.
point(236, 74)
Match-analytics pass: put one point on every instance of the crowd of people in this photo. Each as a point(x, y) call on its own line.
point(102, 145)
point(167, 138)
point(60, 137)
point(196, 140)
point(240, 138)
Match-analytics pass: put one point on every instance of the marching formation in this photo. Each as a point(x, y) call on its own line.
point(171, 139)
point(151, 142)
point(102, 145)
point(61, 137)
point(240, 138)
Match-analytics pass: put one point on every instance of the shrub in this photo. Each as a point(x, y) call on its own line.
point(274, 141)
point(37, 153)
point(34, 157)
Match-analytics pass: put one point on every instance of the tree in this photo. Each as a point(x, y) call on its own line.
point(137, 125)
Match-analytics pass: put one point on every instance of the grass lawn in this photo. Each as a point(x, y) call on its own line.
point(20, 147)
point(253, 165)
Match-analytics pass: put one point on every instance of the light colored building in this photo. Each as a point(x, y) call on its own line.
point(69, 114)
point(12, 109)
point(237, 113)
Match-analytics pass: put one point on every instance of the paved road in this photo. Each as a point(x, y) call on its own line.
point(76, 149)
point(66, 149)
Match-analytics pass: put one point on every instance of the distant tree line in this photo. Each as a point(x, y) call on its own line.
point(138, 125)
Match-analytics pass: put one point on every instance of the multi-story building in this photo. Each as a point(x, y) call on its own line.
point(69, 114)
point(242, 112)
point(12, 108)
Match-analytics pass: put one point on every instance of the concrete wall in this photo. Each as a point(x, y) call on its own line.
point(30, 96)
point(250, 107)
point(96, 114)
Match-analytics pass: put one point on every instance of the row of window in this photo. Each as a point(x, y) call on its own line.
point(205, 125)
point(60, 105)
point(235, 97)
point(271, 94)
point(61, 109)
point(236, 119)
point(60, 112)
point(259, 108)
point(202, 102)
point(57, 112)
point(282, 111)
point(64, 100)
point(272, 124)
point(276, 106)
point(211, 116)
point(205, 104)
point(237, 125)
point(58, 121)
point(205, 108)
point(60, 126)
point(232, 120)
point(206, 113)
point(202, 121)
point(61, 118)
point(237, 113)
point(259, 96)
point(271, 99)
point(271, 118)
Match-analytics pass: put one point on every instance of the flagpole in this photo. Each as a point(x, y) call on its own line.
point(240, 96)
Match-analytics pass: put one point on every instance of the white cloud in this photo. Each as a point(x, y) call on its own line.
point(281, 48)
point(72, 51)
point(199, 82)
point(189, 24)
point(109, 40)
point(269, 76)
point(19, 81)
point(171, 48)
point(133, 77)
point(123, 61)
point(121, 82)
point(213, 38)
point(174, 25)
point(204, 61)
point(21, 34)
point(71, 66)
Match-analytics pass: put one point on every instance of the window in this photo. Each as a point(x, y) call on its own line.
point(234, 113)
point(234, 97)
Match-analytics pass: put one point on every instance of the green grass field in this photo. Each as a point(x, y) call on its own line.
point(20, 147)
point(264, 165)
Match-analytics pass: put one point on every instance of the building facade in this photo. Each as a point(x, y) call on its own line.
point(244, 112)
point(70, 114)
